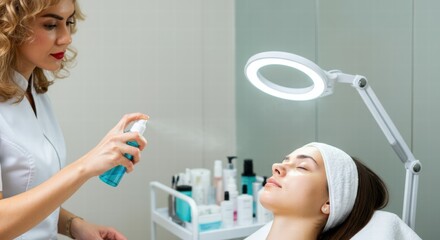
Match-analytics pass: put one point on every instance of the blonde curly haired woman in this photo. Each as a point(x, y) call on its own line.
point(34, 41)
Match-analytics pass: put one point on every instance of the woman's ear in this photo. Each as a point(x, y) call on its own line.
point(326, 208)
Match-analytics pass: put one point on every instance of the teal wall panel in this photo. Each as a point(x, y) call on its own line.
point(373, 39)
point(267, 127)
point(427, 113)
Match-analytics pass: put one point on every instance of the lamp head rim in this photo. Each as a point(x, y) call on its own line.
point(316, 74)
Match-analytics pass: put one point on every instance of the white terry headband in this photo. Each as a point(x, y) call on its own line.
point(342, 181)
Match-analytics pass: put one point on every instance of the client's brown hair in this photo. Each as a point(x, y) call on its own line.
point(372, 195)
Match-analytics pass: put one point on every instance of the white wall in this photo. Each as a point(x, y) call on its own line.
point(173, 60)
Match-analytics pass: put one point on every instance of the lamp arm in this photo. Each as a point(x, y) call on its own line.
point(386, 124)
point(413, 166)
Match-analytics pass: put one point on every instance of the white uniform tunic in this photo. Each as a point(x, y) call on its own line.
point(32, 149)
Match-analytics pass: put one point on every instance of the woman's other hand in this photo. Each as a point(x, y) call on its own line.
point(83, 230)
point(110, 151)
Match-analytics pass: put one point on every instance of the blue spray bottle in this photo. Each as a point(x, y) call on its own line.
point(113, 176)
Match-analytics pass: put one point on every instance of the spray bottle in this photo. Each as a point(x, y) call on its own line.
point(113, 176)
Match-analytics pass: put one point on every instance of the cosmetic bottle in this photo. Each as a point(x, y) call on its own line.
point(198, 191)
point(218, 181)
point(113, 176)
point(183, 210)
point(201, 183)
point(229, 171)
point(233, 194)
point(210, 217)
point(187, 177)
point(248, 175)
point(227, 210)
point(244, 208)
point(263, 215)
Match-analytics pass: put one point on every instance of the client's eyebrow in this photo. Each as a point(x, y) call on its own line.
point(303, 156)
point(58, 17)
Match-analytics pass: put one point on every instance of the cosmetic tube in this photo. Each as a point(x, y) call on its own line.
point(218, 181)
point(113, 176)
point(227, 210)
point(244, 208)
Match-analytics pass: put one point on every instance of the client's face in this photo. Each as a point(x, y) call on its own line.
point(298, 187)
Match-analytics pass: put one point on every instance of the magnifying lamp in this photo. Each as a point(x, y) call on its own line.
point(322, 85)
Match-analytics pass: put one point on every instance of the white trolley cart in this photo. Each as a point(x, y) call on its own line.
point(159, 216)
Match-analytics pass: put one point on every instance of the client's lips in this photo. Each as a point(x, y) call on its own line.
point(272, 181)
point(58, 56)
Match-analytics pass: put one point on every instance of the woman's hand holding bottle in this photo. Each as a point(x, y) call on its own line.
point(110, 151)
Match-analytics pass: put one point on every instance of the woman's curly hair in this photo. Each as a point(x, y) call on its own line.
point(16, 17)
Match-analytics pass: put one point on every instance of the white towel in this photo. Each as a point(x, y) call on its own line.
point(261, 233)
point(382, 226)
point(342, 181)
point(385, 226)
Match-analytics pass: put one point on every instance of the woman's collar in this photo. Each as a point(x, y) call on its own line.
point(21, 81)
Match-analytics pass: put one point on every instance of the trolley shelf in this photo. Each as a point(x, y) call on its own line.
point(159, 216)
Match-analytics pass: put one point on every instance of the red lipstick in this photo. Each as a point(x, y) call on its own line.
point(58, 56)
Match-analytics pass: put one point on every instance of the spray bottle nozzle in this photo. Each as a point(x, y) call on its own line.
point(244, 189)
point(139, 126)
point(230, 164)
point(230, 158)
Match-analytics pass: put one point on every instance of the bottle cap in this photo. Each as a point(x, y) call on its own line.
point(248, 168)
point(184, 188)
point(217, 168)
point(244, 189)
point(264, 181)
point(139, 126)
point(226, 196)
